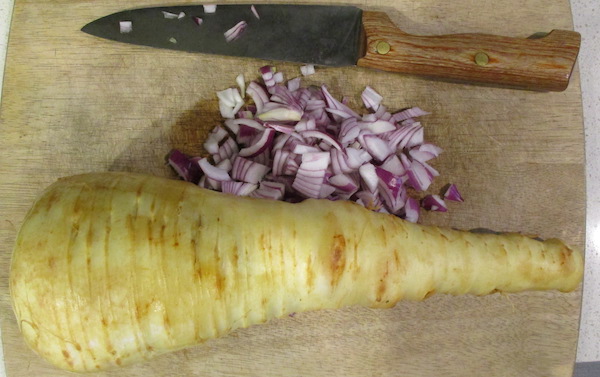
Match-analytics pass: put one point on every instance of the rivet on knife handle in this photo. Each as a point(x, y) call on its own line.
point(543, 64)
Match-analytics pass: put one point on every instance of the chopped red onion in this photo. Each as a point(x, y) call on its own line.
point(453, 194)
point(290, 143)
point(369, 176)
point(307, 70)
point(377, 147)
point(323, 136)
point(344, 182)
point(294, 84)
point(125, 27)
point(213, 172)
point(236, 31)
point(434, 203)
point(334, 104)
point(170, 15)
point(284, 129)
point(227, 150)
point(418, 176)
point(393, 165)
point(225, 164)
point(264, 141)
point(412, 209)
point(248, 123)
point(230, 102)
point(279, 112)
point(258, 95)
point(412, 112)
point(238, 188)
point(197, 20)
point(254, 11)
point(241, 82)
point(269, 190)
point(185, 167)
point(371, 98)
point(214, 139)
point(310, 175)
point(369, 200)
point(379, 126)
point(425, 152)
point(248, 171)
point(210, 8)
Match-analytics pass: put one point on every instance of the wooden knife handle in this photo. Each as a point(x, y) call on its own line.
point(543, 64)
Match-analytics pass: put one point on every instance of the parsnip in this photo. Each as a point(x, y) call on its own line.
point(113, 268)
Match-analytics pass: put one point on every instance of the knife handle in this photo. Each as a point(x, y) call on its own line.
point(543, 64)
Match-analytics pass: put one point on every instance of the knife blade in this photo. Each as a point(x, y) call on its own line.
point(346, 35)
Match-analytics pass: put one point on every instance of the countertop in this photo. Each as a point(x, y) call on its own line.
point(585, 16)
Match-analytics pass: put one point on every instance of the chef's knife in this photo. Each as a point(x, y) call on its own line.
point(346, 35)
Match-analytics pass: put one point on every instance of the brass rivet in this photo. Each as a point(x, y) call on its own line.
point(481, 59)
point(383, 47)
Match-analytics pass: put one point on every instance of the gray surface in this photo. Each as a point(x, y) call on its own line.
point(588, 369)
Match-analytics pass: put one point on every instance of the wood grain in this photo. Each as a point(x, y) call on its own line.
point(543, 64)
point(73, 103)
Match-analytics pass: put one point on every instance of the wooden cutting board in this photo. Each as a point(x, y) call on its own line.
point(73, 103)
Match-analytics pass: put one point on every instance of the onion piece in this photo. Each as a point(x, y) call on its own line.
point(452, 193)
point(379, 126)
point(184, 166)
point(278, 77)
point(269, 190)
point(307, 70)
point(412, 112)
point(377, 147)
point(334, 104)
point(227, 150)
point(264, 141)
point(294, 84)
point(248, 171)
point(197, 20)
point(284, 129)
point(411, 210)
point(254, 11)
point(238, 188)
point(210, 8)
point(371, 98)
point(323, 136)
point(230, 102)
point(214, 139)
point(241, 82)
point(267, 72)
point(425, 152)
point(125, 27)
point(369, 200)
point(393, 165)
point(344, 182)
point(279, 113)
point(236, 31)
point(434, 203)
point(213, 172)
point(310, 175)
point(170, 15)
point(369, 176)
point(418, 176)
